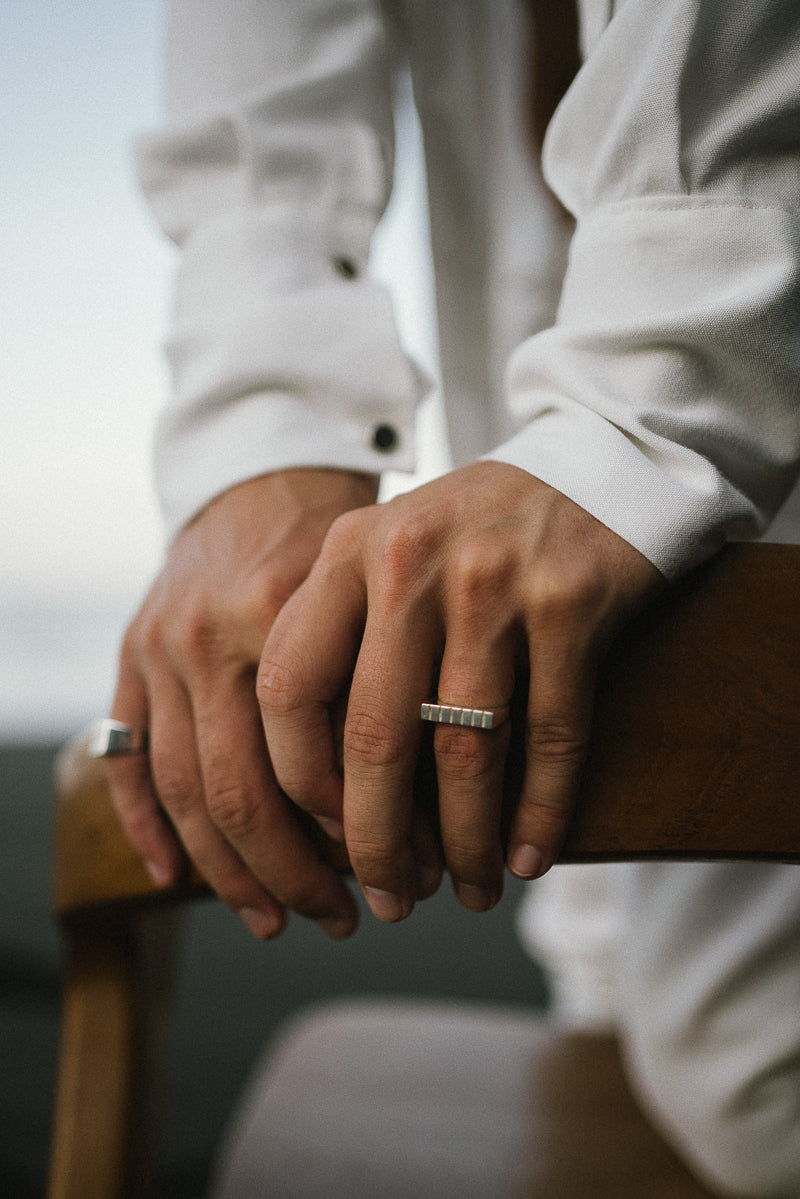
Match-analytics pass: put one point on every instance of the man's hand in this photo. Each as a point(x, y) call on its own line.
point(462, 588)
point(187, 673)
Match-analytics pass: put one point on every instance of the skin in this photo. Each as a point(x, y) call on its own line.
point(464, 586)
point(187, 672)
point(458, 587)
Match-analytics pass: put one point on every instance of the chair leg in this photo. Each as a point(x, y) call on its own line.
point(116, 991)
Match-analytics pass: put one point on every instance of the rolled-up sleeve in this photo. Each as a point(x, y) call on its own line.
point(666, 398)
point(271, 173)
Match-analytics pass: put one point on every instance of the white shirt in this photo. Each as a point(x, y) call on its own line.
point(660, 393)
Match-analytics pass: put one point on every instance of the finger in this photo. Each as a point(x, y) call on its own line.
point(381, 744)
point(308, 658)
point(179, 785)
point(302, 683)
point(557, 732)
point(132, 791)
point(304, 708)
point(429, 863)
point(245, 803)
point(470, 765)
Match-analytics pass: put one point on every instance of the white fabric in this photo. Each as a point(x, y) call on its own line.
point(711, 976)
point(384, 1100)
point(572, 920)
point(674, 356)
point(658, 387)
point(698, 965)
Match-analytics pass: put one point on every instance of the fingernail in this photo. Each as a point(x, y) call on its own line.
point(161, 875)
point(477, 899)
point(338, 927)
point(261, 924)
point(385, 905)
point(334, 828)
point(526, 862)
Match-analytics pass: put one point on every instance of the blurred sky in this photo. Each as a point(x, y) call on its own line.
point(83, 311)
point(83, 298)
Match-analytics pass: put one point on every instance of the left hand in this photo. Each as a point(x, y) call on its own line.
point(461, 587)
point(187, 672)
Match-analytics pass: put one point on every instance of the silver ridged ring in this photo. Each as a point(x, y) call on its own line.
point(109, 738)
point(470, 718)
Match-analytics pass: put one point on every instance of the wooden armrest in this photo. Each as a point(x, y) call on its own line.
point(695, 750)
point(696, 741)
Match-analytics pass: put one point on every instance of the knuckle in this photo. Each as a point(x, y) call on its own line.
point(232, 809)
point(471, 861)
point(263, 595)
point(343, 534)
point(555, 741)
point(461, 755)
point(401, 545)
point(199, 638)
point(175, 790)
point(481, 567)
point(375, 860)
point(202, 637)
point(567, 599)
point(280, 685)
point(341, 546)
point(372, 741)
point(182, 632)
point(405, 544)
point(546, 820)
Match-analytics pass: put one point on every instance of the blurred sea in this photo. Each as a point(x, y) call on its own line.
point(57, 665)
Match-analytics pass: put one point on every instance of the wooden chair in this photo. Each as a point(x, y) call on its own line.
point(696, 744)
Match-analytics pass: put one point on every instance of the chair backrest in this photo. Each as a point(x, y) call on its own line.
point(696, 742)
point(695, 754)
point(695, 750)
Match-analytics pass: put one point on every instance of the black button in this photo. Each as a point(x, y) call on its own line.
point(346, 267)
point(384, 438)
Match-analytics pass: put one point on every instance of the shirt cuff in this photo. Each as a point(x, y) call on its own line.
point(664, 399)
point(284, 354)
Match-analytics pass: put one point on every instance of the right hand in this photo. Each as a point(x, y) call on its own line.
point(187, 673)
point(477, 586)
